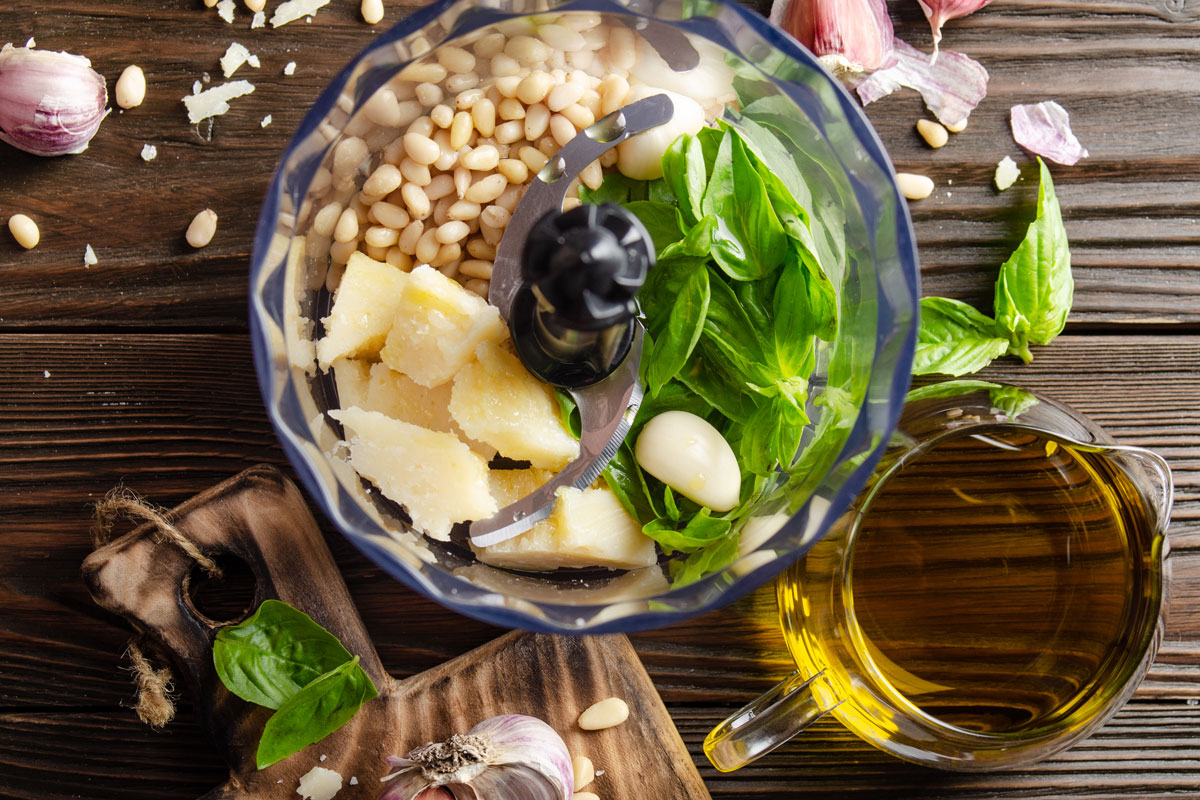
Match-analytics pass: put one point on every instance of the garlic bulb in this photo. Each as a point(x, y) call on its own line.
point(513, 757)
point(847, 36)
point(939, 12)
point(51, 103)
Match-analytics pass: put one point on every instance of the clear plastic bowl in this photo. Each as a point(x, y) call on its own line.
point(858, 386)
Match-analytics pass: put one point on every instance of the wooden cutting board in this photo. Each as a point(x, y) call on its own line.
point(260, 517)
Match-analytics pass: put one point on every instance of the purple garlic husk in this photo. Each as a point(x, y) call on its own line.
point(939, 12)
point(847, 36)
point(51, 104)
point(510, 757)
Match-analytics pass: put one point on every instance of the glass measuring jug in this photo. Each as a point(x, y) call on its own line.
point(992, 597)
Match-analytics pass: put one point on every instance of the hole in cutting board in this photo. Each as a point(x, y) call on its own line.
point(222, 600)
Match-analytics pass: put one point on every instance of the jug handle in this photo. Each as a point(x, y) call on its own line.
point(765, 723)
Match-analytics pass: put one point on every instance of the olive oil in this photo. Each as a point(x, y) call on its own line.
point(997, 582)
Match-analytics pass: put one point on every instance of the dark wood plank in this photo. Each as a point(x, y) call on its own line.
point(1124, 69)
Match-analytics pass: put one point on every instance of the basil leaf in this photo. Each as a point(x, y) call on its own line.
point(660, 222)
point(669, 503)
point(955, 339)
point(705, 377)
point(947, 389)
point(701, 530)
point(697, 243)
point(771, 436)
point(616, 188)
point(1012, 400)
point(569, 412)
point(734, 339)
point(805, 306)
point(706, 560)
point(271, 656)
point(317, 710)
point(674, 343)
point(624, 477)
point(1035, 287)
point(775, 165)
point(686, 173)
point(719, 189)
point(660, 191)
point(673, 396)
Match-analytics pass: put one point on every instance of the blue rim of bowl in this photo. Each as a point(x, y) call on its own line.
point(481, 603)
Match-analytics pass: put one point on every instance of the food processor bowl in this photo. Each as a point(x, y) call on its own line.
point(857, 388)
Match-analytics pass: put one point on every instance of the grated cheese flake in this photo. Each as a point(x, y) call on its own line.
point(149, 152)
point(353, 781)
point(265, 121)
point(225, 10)
point(215, 101)
point(259, 21)
point(89, 256)
point(319, 784)
point(45, 373)
point(196, 87)
point(235, 56)
point(1007, 173)
point(30, 43)
point(292, 10)
point(289, 68)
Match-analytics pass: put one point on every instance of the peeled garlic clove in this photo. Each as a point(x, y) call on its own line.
point(846, 35)
point(688, 454)
point(938, 12)
point(51, 103)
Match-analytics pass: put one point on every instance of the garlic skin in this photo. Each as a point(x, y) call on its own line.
point(51, 104)
point(847, 36)
point(513, 756)
point(939, 12)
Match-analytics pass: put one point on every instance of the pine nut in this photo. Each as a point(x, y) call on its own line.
point(255, 5)
point(579, 116)
point(509, 132)
point(410, 236)
point(429, 94)
point(507, 86)
point(609, 158)
point(477, 286)
point(514, 170)
point(327, 218)
point(442, 115)
point(496, 216)
point(346, 229)
point(462, 181)
point(347, 157)
point(561, 38)
point(583, 770)
point(447, 253)
point(527, 50)
point(447, 159)
point(476, 268)
point(410, 112)
point(478, 248)
point(416, 201)
point(384, 180)
point(382, 108)
point(933, 133)
point(461, 82)
point(537, 119)
point(533, 158)
point(422, 126)
point(449, 270)
point(490, 45)
point(571, 203)
point(585, 796)
point(534, 87)
point(441, 211)
point(455, 59)
point(592, 176)
point(491, 235)
point(487, 189)
point(482, 158)
point(452, 232)
point(613, 91)
point(565, 94)
point(622, 48)
point(581, 59)
point(427, 246)
point(340, 252)
point(26, 232)
point(511, 108)
point(375, 253)
point(199, 233)
point(441, 186)
point(464, 210)
point(131, 87)
point(421, 149)
point(460, 130)
point(415, 173)
point(372, 11)
point(483, 115)
point(591, 101)
point(380, 236)
point(561, 129)
point(547, 145)
point(394, 152)
point(605, 714)
point(466, 99)
point(914, 187)
point(958, 127)
point(399, 259)
point(504, 66)
point(389, 214)
point(425, 72)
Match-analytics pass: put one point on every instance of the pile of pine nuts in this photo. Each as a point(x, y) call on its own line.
point(432, 167)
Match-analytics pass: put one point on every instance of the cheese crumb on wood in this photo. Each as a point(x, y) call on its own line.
point(225, 10)
point(1007, 173)
point(265, 121)
point(292, 10)
point(149, 152)
point(215, 101)
point(235, 56)
point(259, 21)
point(319, 784)
point(89, 256)
point(289, 68)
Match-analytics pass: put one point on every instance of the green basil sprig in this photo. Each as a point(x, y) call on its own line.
point(1033, 296)
point(280, 658)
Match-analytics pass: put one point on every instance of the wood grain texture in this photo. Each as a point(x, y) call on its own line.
point(166, 413)
point(1125, 71)
point(261, 518)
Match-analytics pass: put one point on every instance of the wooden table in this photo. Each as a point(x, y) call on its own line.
point(138, 370)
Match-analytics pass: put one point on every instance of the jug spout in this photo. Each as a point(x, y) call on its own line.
point(1151, 474)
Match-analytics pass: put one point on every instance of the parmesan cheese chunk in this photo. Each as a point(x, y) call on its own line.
point(149, 152)
point(319, 784)
point(363, 309)
point(225, 10)
point(215, 101)
point(1007, 173)
point(292, 10)
point(89, 256)
point(235, 56)
point(400, 397)
point(432, 474)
